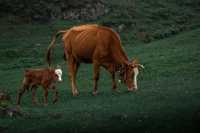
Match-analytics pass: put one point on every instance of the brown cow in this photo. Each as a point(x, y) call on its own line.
point(100, 46)
point(46, 78)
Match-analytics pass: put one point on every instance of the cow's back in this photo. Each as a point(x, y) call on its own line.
point(90, 41)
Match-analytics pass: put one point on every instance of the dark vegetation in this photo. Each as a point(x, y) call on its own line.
point(48, 10)
point(148, 20)
point(168, 96)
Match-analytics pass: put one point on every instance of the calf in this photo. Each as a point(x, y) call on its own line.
point(46, 78)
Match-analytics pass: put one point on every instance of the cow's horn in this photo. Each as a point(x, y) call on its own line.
point(142, 66)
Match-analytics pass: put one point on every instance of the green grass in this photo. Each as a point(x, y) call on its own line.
point(167, 99)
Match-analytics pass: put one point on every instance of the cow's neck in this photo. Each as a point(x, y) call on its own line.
point(122, 60)
point(119, 56)
point(121, 63)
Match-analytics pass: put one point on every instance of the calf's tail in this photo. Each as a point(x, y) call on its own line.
point(52, 44)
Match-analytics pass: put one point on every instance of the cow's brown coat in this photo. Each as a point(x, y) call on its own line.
point(98, 45)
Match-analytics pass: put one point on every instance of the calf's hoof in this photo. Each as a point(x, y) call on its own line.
point(116, 90)
point(55, 101)
point(45, 104)
point(94, 93)
point(18, 106)
point(34, 104)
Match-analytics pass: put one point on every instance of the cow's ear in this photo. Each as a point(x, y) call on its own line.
point(140, 66)
point(134, 61)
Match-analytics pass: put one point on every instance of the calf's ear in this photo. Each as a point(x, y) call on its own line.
point(58, 67)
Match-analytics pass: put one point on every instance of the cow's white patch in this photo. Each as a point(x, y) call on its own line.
point(136, 72)
point(59, 73)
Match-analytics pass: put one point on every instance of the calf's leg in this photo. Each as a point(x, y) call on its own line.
point(55, 94)
point(45, 97)
point(34, 100)
point(21, 92)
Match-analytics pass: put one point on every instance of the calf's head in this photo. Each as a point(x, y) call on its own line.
point(58, 73)
point(129, 74)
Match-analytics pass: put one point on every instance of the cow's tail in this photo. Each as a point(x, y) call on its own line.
point(52, 44)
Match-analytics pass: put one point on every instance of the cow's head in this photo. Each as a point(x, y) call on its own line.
point(129, 74)
point(58, 72)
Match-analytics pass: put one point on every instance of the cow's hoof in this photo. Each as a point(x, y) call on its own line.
point(94, 93)
point(75, 94)
point(45, 104)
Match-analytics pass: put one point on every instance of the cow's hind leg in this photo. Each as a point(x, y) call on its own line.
point(96, 69)
point(73, 67)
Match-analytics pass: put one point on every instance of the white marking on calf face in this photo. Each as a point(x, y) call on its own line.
point(136, 72)
point(59, 73)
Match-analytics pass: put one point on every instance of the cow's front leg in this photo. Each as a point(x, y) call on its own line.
point(114, 85)
point(111, 69)
point(96, 69)
point(73, 67)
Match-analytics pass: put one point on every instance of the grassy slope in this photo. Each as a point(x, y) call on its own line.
point(167, 101)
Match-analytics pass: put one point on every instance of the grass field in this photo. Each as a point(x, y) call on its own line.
point(168, 99)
